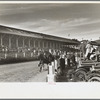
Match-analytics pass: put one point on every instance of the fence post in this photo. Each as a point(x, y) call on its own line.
point(16, 55)
point(55, 63)
point(5, 55)
point(23, 54)
point(31, 54)
point(53, 66)
point(50, 69)
point(51, 76)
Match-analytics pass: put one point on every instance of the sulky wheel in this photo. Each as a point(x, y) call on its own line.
point(94, 79)
point(70, 75)
point(80, 76)
point(93, 76)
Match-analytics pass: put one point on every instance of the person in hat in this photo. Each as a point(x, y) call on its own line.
point(94, 52)
point(83, 48)
point(88, 50)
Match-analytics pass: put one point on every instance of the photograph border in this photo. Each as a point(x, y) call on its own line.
point(41, 90)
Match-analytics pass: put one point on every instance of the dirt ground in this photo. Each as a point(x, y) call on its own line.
point(22, 72)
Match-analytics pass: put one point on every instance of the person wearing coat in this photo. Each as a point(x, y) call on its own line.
point(88, 51)
point(62, 64)
point(68, 59)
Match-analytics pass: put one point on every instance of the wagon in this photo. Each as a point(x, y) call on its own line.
point(89, 70)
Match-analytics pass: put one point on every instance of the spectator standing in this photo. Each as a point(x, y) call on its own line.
point(73, 60)
point(83, 48)
point(68, 59)
point(93, 52)
point(62, 64)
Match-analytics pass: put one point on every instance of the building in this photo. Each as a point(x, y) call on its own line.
point(16, 40)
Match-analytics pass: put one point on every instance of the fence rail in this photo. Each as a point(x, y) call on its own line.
point(10, 57)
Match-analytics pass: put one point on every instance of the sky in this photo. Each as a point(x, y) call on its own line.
point(68, 20)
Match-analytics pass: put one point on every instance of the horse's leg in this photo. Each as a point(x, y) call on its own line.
point(47, 68)
point(40, 67)
point(43, 66)
point(39, 64)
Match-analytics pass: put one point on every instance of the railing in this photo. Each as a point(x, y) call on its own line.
point(14, 57)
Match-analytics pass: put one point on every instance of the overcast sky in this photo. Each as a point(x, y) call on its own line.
point(66, 20)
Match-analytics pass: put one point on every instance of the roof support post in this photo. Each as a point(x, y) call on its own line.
point(17, 42)
point(53, 45)
point(43, 44)
point(50, 44)
point(1, 41)
point(56, 45)
point(39, 44)
point(59, 46)
point(46, 44)
point(34, 43)
point(29, 43)
point(23, 41)
point(9, 41)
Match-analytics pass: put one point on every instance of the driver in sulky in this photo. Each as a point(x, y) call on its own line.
point(94, 52)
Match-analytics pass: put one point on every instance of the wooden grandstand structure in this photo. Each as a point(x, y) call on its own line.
point(14, 40)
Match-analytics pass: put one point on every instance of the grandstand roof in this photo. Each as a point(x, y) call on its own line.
point(14, 31)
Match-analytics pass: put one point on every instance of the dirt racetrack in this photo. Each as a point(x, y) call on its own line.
point(22, 72)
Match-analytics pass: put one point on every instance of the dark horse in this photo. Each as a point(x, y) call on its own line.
point(45, 58)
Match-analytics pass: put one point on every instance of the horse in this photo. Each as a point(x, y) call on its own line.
point(45, 58)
